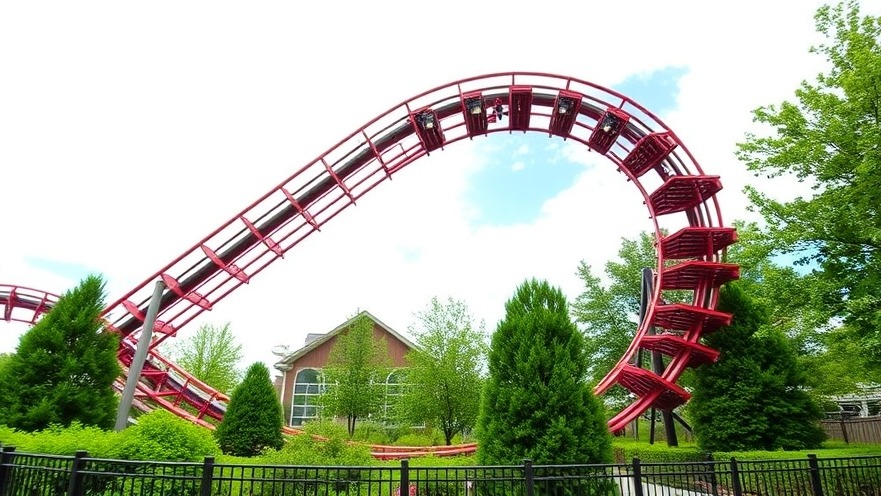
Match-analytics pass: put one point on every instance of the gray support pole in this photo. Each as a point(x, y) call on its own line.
point(134, 371)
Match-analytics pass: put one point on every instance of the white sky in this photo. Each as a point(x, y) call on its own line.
point(129, 131)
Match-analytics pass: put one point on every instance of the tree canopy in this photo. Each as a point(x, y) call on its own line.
point(355, 373)
point(829, 139)
point(537, 403)
point(212, 355)
point(64, 367)
point(608, 312)
point(443, 376)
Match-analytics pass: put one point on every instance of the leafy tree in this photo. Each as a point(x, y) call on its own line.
point(64, 367)
point(754, 397)
point(253, 419)
point(537, 403)
point(212, 356)
point(831, 353)
point(793, 298)
point(355, 373)
point(828, 139)
point(443, 376)
point(5, 358)
point(609, 314)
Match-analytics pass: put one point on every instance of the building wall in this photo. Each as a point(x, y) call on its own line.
point(317, 358)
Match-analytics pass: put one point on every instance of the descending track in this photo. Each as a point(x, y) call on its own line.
point(679, 196)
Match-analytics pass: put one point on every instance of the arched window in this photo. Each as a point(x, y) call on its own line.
point(307, 387)
point(392, 393)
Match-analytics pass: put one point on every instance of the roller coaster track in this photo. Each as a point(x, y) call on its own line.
point(675, 189)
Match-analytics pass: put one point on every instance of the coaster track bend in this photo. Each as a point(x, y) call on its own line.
point(690, 236)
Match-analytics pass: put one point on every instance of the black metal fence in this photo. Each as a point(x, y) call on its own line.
point(44, 475)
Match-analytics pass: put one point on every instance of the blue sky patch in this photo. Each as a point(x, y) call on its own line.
point(522, 172)
point(656, 91)
point(72, 271)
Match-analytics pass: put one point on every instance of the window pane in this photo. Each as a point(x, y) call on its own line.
point(307, 376)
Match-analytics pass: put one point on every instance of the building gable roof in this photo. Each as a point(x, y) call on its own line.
point(285, 362)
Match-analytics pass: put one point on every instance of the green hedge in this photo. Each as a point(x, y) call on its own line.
point(158, 436)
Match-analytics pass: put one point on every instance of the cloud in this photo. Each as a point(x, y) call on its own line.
point(129, 132)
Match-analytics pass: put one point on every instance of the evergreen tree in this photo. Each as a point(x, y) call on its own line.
point(64, 367)
point(253, 418)
point(754, 397)
point(537, 403)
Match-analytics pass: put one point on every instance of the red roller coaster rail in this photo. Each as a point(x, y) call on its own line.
point(647, 152)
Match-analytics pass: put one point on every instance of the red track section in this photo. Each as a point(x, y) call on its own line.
point(639, 144)
point(21, 304)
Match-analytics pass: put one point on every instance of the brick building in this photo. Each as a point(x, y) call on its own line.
point(300, 381)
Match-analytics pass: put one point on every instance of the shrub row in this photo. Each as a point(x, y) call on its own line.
point(158, 436)
point(161, 436)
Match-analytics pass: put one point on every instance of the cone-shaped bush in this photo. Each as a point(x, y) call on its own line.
point(253, 419)
point(537, 403)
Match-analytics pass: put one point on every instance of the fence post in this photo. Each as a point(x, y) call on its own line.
point(843, 428)
point(637, 477)
point(404, 488)
point(6, 457)
point(207, 476)
point(816, 484)
point(711, 462)
point(530, 476)
point(735, 478)
point(75, 487)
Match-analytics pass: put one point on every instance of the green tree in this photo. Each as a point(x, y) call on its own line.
point(795, 301)
point(828, 139)
point(608, 314)
point(537, 403)
point(443, 377)
point(212, 356)
point(253, 419)
point(356, 369)
point(753, 397)
point(5, 358)
point(64, 367)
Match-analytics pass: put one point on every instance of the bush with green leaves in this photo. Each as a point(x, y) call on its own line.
point(162, 436)
point(58, 440)
point(303, 450)
point(253, 419)
point(537, 403)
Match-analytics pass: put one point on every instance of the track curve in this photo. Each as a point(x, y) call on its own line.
point(679, 196)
